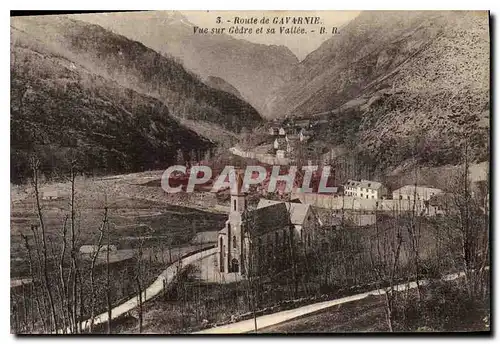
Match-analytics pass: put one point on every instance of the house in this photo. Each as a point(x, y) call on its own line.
point(280, 143)
point(367, 189)
point(50, 195)
point(281, 131)
point(281, 147)
point(274, 131)
point(442, 203)
point(292, 141)
point(250, 238)
point(371, 190)
point(304, 135)
point(415, 192)
point(351, 188)
point(281, 154)
point(303, 123)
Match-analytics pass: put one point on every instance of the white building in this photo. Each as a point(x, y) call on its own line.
point(304, 135)
point(280, 154)
point(365, 189)
point(274, 131)
point(351, 188)
point(412, 192)
point(371, 190)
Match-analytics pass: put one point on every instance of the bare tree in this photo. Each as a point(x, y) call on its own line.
point(92, 267)
point(139, 281)
point(108, 282)
point(468, 224)
point(35, 164)
point(385, 261)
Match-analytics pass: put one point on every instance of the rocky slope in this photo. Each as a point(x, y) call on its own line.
point(222, 85)
point(81, 92)
point(60, 112)
point(403, 85)
point(254, 69)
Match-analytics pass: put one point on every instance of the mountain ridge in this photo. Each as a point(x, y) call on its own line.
point(254, 69)
point(135, 66)
point(67, 104)
point(396, 79)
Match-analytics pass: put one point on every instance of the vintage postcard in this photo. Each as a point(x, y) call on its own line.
point(213, 172)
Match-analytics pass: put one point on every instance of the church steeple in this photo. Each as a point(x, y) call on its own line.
point(238, 196)
point(234, 256)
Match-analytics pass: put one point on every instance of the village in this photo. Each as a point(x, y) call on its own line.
point(182, 172)
point(264, 231)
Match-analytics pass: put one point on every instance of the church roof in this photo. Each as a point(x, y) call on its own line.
point(268, 219)
point(297, 211)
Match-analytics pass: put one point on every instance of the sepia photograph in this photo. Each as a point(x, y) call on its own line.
point(250, 172)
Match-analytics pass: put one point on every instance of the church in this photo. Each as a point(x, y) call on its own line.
point(250, 237)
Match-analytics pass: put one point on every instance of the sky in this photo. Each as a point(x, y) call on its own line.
point(300, 45)
point(132, 25)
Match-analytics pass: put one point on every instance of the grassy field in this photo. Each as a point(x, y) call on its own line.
point(135, 218)
point(147, 229)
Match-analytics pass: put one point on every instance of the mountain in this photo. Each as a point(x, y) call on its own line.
point(133, 65)
point(395, 83)
point(61, 111)
point(222, 85)
point(81, 92)
point(254, 69)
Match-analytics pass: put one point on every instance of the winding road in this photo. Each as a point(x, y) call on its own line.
point(153, 290)
point(243, 326)
point(264, 321)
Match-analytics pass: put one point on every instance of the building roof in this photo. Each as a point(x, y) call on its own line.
point(267, 219)
point(410, 189)
point(303, 122)
point(352, 183)
point(297, 211)
point(273, 215)
point(370, 184)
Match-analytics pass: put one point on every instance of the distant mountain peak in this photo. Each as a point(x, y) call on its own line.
point(254, 69)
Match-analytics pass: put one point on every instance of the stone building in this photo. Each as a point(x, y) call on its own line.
point(249, 237)
point(415, 192)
